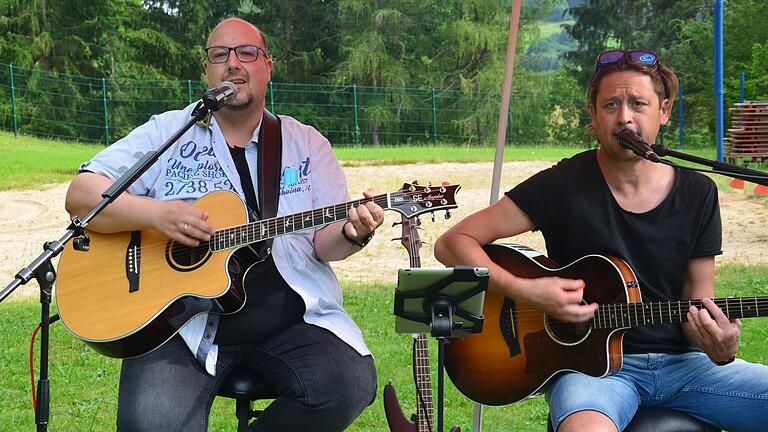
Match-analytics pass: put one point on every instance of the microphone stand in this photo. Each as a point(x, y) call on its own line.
point(723, 168)
point(42, 269)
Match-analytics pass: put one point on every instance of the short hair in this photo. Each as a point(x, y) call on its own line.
point(664, 80)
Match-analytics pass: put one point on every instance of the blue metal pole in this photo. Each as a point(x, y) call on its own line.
point(719, 77)
point(681, 144)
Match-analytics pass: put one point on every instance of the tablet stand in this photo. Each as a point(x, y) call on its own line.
point(442, 306)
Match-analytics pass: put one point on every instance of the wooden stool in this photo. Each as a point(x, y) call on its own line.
point(245, 386)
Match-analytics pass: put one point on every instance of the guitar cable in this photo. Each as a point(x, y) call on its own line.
point(32, 361)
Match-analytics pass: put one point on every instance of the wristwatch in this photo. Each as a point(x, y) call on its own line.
point(723, 363)
point(360, 243)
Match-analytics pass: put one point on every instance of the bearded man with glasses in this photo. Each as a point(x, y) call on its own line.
point(664, 222)
point(292, 331)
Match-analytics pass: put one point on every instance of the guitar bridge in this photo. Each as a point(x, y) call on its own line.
point(508, 327)
point(133, 261)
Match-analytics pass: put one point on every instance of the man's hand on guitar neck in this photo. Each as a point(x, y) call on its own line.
point(333, 245)
point(711, 330)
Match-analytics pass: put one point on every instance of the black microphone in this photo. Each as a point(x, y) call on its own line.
point(216, 98)
point(629, 139)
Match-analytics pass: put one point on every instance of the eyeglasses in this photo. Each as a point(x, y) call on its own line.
point(645, 58)
point(244, 53)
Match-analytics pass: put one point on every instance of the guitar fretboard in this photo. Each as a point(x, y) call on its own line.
point(640, 314)
point(270, 228)
point(423, 383)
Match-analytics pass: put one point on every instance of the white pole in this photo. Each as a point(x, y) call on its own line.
point(501, 136)
point(509, 69)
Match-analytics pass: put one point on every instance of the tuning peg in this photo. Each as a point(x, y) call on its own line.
point(447, 214)
point(433, 216)
point(415, 182)
point(397, 239)
point(394, 224)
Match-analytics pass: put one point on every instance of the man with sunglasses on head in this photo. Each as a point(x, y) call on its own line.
point(665, 223)
point(293, 331)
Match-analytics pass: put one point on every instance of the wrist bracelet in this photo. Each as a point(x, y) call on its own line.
point(723, 363)
point(360, 243)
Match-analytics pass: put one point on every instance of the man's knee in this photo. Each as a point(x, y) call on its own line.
point(587, 420)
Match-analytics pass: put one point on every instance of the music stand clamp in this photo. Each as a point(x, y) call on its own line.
point(446, 303)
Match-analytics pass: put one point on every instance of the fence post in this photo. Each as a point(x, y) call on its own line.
point(106, 114)
point(271, 99)
point(189, 91)
point(509, 123)
point(741, 87)
point(13, 103)
point(357, 126)
point(434, 116)
point(681, 144)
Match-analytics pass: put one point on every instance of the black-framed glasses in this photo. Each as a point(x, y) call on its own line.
point(244, 53)
point(645, 58)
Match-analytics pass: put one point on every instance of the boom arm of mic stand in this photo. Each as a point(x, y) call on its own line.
point(724, 168)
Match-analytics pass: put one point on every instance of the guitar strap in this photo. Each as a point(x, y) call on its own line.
point(270, 166)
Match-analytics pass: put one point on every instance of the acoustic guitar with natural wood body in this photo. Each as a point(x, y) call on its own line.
point(132, 291)
point(521, 348)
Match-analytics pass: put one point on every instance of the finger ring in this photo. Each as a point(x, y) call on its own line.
point(184, 228)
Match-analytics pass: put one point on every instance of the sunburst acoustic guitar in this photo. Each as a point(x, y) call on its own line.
point(521, 348)
point(132, 291)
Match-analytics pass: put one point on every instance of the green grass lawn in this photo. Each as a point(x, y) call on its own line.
point(28, 162)
point(84, 383)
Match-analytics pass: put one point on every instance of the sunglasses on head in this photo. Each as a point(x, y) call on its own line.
point(645, 58)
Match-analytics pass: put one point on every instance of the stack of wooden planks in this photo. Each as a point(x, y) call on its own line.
point(747, 140)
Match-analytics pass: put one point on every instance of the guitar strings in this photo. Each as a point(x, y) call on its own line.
point(747, 307)
point(182, 253)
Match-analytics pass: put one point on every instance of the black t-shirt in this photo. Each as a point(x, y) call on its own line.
point(572, 206)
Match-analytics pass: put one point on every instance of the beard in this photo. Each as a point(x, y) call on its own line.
point(240, 103)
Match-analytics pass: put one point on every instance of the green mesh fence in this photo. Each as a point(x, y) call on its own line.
point(98, 110)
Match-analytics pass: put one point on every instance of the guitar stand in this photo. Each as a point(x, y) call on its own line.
point(450, 306)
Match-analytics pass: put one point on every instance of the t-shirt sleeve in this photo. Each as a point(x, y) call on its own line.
point(528, 196)
point(709, 241)
point(118, 158)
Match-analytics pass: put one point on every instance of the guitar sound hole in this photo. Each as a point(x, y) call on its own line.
point(185, 258)
point(567, 333)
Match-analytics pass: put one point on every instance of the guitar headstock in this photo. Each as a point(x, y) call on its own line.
point(410, 236)
point(412, 199)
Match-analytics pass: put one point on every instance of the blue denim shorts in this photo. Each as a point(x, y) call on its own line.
point(732, 397)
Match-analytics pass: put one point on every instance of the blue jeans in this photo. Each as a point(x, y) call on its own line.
point(325, 384)
point(732, 397)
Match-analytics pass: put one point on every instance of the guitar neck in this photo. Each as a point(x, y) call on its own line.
point(641, 314)
point(423, 383)
point(266, 229)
